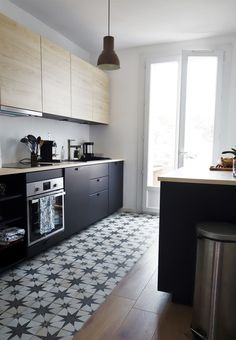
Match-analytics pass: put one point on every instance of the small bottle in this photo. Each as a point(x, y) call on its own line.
point(62, 153)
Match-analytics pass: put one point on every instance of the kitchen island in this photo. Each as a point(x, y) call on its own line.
point(189, 196)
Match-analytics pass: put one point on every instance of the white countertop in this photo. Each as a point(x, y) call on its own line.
point(199, 175)
point(14, 171)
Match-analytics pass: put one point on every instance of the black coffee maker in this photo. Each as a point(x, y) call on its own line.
point(48, 151)
point(88, 154)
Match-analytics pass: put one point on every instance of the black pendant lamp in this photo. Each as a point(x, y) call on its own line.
point(108, 59)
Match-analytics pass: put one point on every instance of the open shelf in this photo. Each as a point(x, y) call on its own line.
point(10, 197)
point(3, 223)
point(11, 244)
point(12, 215)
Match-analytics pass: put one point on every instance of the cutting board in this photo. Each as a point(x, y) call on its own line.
point(215, 168)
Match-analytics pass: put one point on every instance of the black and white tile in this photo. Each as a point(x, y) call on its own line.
point(53, 294)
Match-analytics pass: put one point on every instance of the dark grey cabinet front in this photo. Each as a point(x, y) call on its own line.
point(98, 192)
point(98, 206)
point(92, 193)
point(76, 199)
point(115, 186)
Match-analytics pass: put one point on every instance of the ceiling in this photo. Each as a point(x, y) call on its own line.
point(134, 22)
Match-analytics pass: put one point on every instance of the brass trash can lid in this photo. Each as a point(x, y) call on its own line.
point(218, 231)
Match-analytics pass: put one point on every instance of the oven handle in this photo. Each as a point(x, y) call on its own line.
point(35, 199)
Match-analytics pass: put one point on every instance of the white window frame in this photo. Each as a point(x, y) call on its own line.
point(146, 189)
point(218, 105)
point(180, 117)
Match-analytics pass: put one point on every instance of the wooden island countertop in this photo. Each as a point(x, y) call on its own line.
point(199, 175)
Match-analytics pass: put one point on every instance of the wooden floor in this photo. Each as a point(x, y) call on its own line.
point(137, 311)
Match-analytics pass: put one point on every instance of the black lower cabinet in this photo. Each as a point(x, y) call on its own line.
point(115, 186)
point(98, 192)
point(92, 193)
point(76, 199)
point(98, 206)
point(182, 207)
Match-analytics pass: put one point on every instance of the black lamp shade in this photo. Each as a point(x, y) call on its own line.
point(108, 59)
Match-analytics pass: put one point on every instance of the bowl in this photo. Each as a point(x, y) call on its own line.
point(227, 162)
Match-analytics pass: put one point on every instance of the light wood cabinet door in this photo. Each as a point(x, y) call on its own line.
point(100, 96)
point(81, 89)
point(20, 66)
point(55, 79)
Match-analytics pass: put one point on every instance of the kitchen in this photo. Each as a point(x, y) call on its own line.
point(122, 139)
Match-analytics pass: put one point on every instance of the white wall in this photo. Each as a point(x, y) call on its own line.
point(13, 129)
point(124, 137)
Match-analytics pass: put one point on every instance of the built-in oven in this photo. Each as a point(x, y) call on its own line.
point(45, 209)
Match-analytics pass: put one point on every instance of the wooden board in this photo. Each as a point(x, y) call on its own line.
point(215, 168)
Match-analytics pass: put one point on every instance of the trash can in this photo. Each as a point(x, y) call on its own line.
point(214, 308)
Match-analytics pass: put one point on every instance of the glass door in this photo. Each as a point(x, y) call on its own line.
point(182, 117)
point(161, 132)
point(45, 216)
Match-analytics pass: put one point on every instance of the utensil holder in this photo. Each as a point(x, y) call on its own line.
point(34, 159)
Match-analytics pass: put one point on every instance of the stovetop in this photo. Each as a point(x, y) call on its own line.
point(42, 164)
point(85, 158)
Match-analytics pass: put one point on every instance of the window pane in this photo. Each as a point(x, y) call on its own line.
point(200, 109)
point(162, 119)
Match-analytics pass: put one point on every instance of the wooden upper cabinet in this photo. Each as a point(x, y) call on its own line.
point(100, 96)
point(38, 75)
point(20, 66)
point(55, 79)
point(81, 89)
point(89, 92)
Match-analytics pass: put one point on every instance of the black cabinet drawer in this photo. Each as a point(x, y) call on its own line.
point(98, 170)
point(98, 184)
point(98, 206)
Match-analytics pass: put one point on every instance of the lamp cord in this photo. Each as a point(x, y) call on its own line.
point(109, 5)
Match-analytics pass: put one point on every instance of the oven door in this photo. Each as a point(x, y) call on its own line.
point(45, 215)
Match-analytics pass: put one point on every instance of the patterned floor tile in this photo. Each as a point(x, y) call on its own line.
point(53, 294)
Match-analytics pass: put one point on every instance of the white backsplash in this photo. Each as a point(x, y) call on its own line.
point(12, 129)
